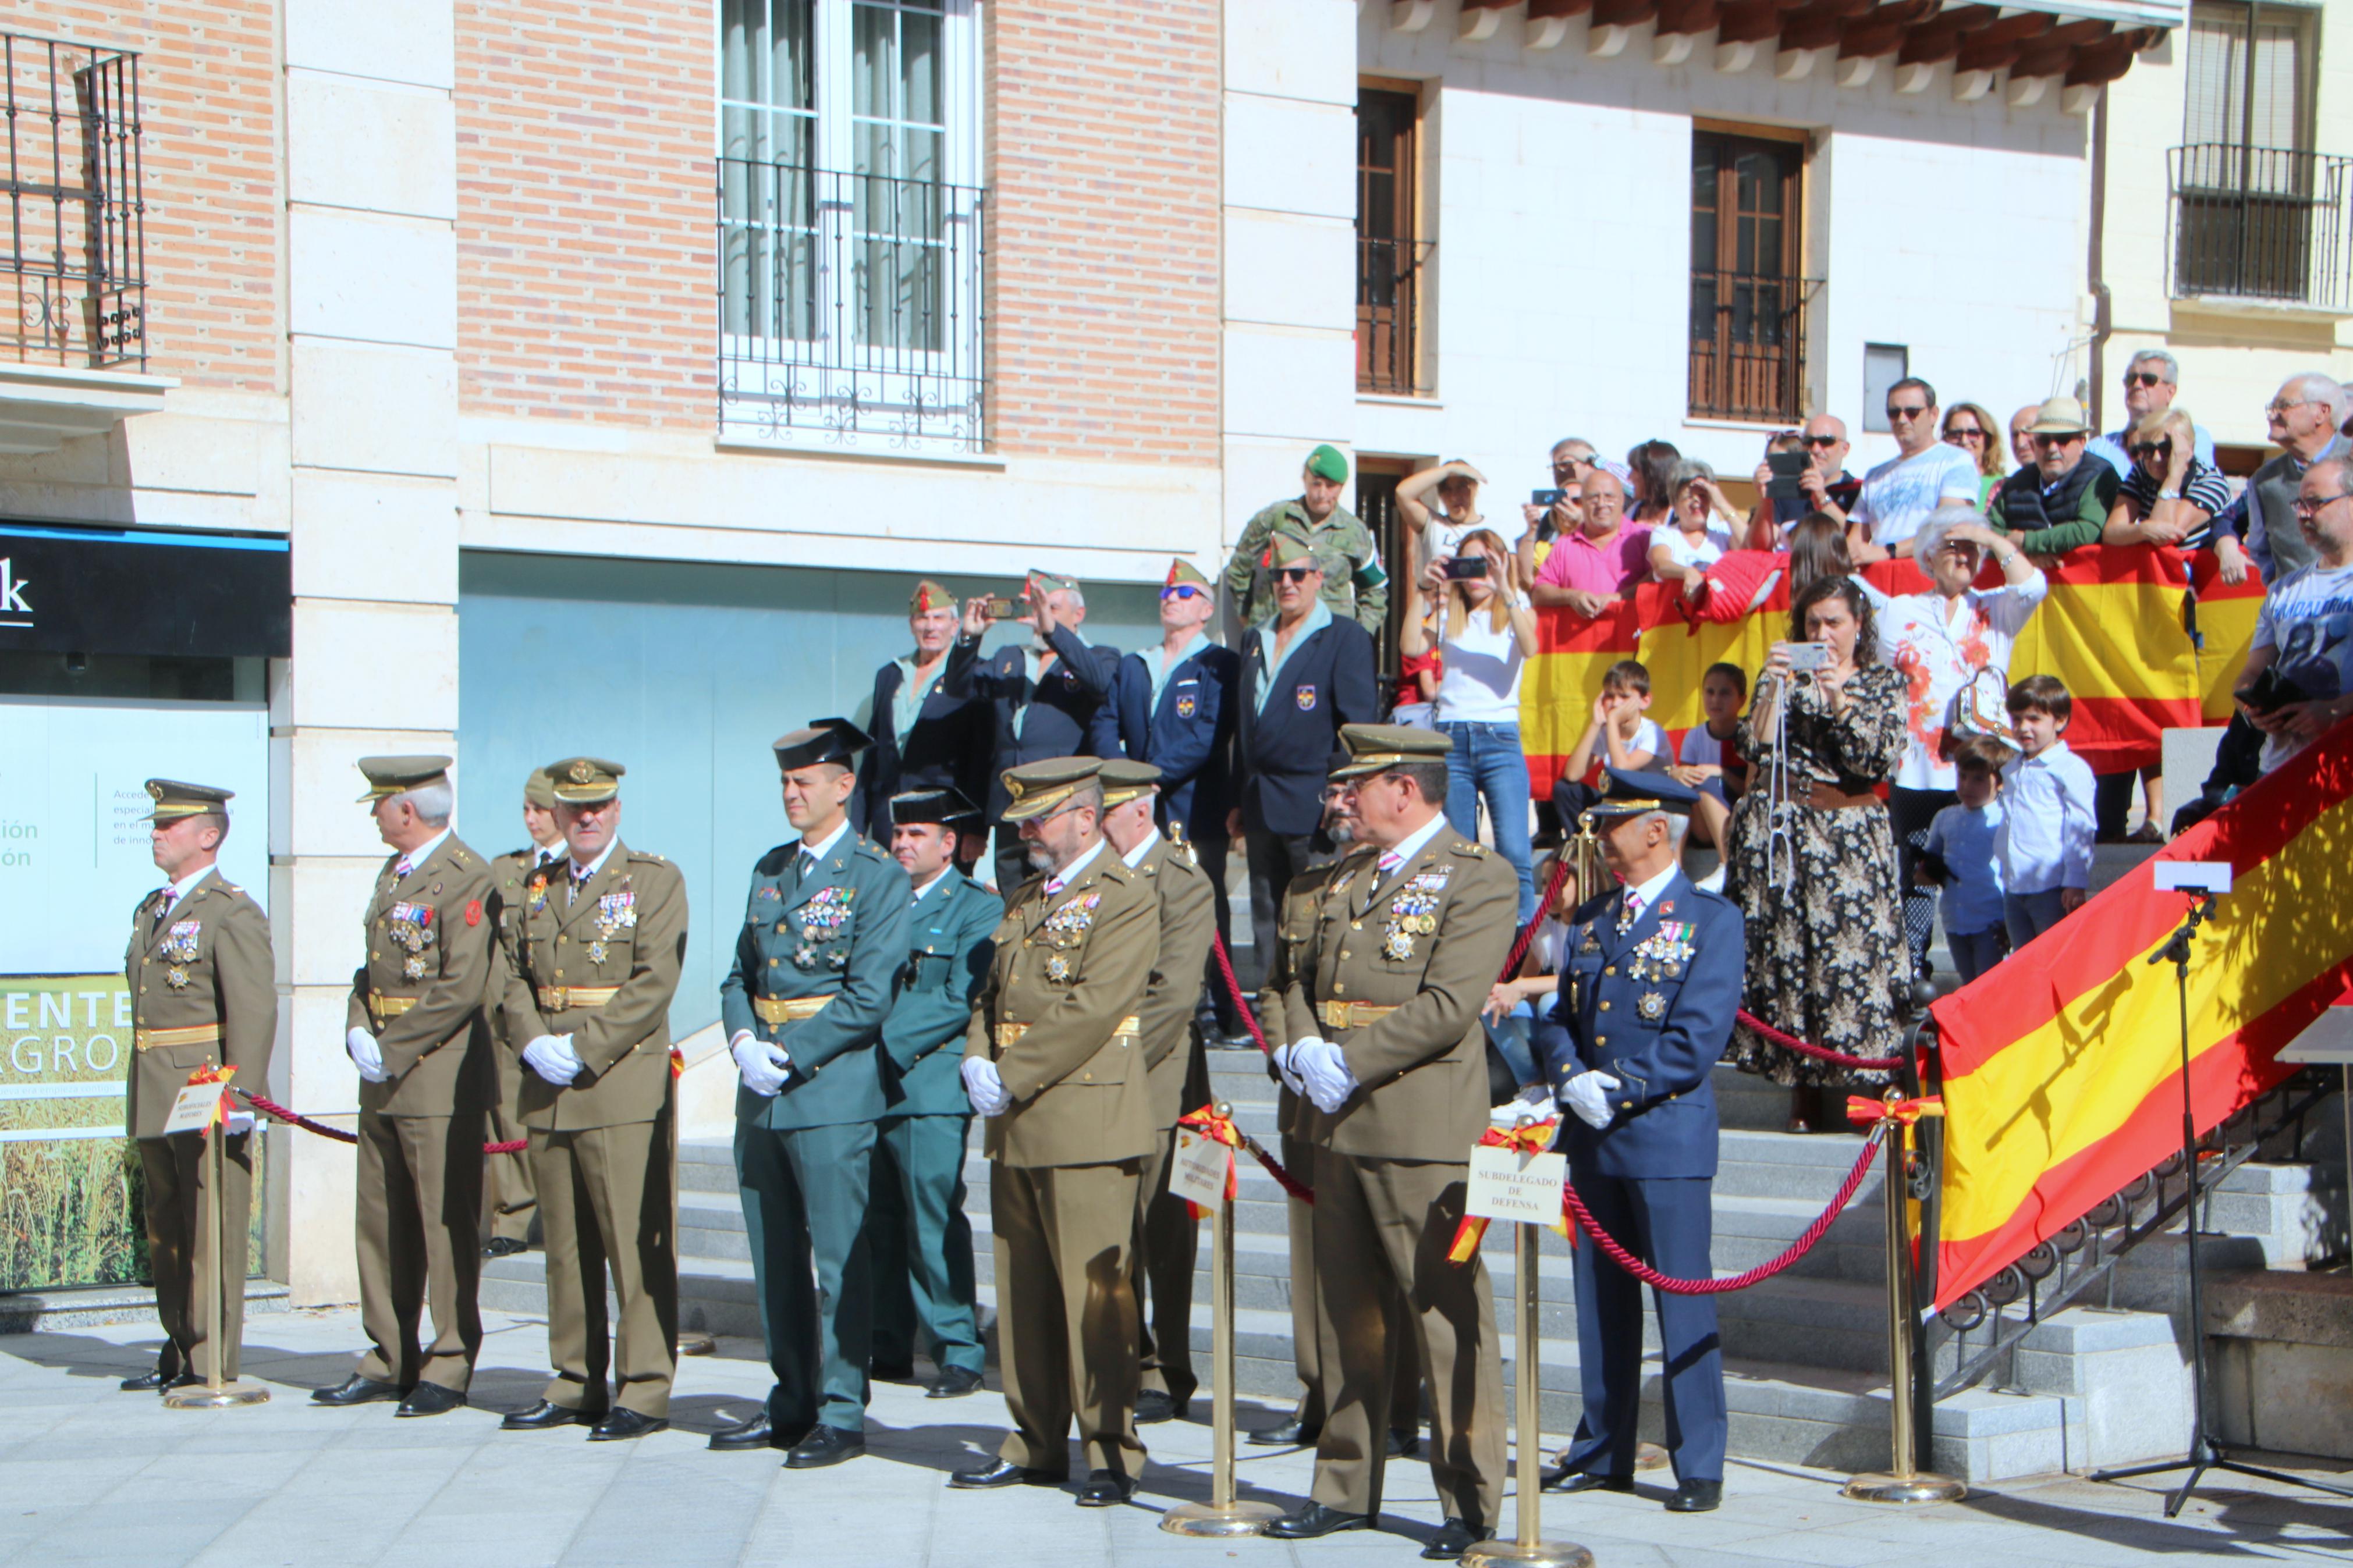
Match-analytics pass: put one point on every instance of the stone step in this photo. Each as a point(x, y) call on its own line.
point(91, 1306)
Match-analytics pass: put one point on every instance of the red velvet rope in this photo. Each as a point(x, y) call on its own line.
point(1528, 931)
point(296, 1118)
point(1819, 1052)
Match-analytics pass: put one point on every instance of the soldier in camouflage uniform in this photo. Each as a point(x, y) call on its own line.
point(1354, 586)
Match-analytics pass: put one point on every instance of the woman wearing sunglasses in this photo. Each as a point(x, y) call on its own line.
point(1972, 429)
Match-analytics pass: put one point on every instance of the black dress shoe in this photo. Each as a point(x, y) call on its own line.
point(752, 1432)
point(1405, 1442)
point(1154, 1406)
point(622, 1425)
point(357, 1390)
point(542, 1416)
point(1567, 1481)
point(955, 1383)
point(1315, 1519)
point(178, 1380)
point(432, 1399)
point(146, 1381)
point(1293, 1434)
point(1695, 1496)
point(891, 1371)
point(1002, 1473)
point(1106, 1489)
point(824, 1445)
point(1453, 1540)
point(503, 1247)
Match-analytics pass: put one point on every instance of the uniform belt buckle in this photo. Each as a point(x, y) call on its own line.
point(557, 998)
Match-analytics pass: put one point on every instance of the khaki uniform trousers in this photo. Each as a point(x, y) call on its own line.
point(420, 1200)
point(509, 1198)
point(1066, 1318)
point(1382, 1229)
point(1167, 1244)
point(1404, 1384)
point(609, 1200)
point(179, 1214)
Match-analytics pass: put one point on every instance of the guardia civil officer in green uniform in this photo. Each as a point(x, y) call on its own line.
point(593, 963)
point(1354, 586)
point(1052, 1061)
point(415, 1031)
point(823, 939)
point(1167, 1234)
point(509, 1202)
point(1386, 1042)
point(915, 1224)
point(204, 993)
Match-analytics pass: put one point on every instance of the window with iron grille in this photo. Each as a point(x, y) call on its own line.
point(849, 224)
point(1749, 296)
point(1392, 255)
point(77, 244)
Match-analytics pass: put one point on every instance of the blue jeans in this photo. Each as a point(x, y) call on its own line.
point(1488, 761)
point(2029, 915)
point(1975, 952)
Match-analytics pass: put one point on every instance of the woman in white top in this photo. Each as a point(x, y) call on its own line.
point(1697, 530)
point(1939, 641)
point(1439, 530)
point(1487, 633)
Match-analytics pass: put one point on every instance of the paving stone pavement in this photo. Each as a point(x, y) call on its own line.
point(92, 1475)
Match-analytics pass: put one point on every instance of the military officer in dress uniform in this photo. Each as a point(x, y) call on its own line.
point(1386, 1041)
point(1295, 955)
point(594, 959)
point(1648, 994)
point(915, 1226)
point(1053, 1060)
point(1354, 586)
point(415, 1032)
point(823, 940)
point(508, 1200)
point(1167, 1234)
point(204, 993)
point(924, 738)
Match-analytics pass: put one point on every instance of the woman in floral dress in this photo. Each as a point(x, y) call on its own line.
point(1825, 925)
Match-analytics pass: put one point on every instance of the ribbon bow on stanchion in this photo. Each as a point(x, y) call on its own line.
point(209, 1074)
point(1876, 1112)
point(1529, 1138)
point(1218, 1129)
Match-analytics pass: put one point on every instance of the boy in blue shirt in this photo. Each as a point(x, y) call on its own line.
point(1960, 858)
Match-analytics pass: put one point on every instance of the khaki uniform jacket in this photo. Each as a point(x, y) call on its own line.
point(206, 962)
point(626, 929)
point(1068, 970)
point(508, 872)
point(432, 939)
point(1294, 953)
point(1188, 918)
point(1426, 942)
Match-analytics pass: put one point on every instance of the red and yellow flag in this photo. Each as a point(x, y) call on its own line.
point(2063, 1067)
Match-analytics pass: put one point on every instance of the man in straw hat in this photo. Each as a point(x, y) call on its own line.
point(204, 993)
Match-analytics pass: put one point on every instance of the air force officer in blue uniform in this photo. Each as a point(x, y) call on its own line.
point(1649, 987)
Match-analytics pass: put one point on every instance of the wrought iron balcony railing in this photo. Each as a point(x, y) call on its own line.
point(76, 214)
point(849, 308)
point(1391, 296)
point(1749, 345)
point(2259, 223)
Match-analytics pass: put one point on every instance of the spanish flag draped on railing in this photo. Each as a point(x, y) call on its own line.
point(2122, 627)
point(2062, 1067)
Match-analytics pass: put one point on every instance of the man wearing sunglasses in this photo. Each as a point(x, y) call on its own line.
point(1176, 711)
point(1904, 491)
point(2152, 380)
point(1355, 585)
point(2303, 419)
point(2062, 501)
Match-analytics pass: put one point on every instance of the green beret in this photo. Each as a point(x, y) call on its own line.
point(1327, 462)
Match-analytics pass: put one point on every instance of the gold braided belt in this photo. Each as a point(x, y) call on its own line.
point(1129, 1026)
point(562, 998)
point(190, 1035)
point(788, 1009)
point(1352, 1015)
point(384, 1008)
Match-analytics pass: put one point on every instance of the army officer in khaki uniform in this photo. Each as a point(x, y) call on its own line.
point(1167, 1234)
point(1053, 1062)
point(509, 1200)
point(204, 993)
point(1386, 1042)
point(593, 958)
point(415, 1031)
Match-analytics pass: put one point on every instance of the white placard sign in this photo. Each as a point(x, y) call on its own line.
point(1199, 1169)
point(1525, 1188)
point(191, 1108)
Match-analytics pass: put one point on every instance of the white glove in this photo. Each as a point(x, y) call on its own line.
point(1283, 1068)
point(1325, 1073)
point(763, 1067)
point(553, 1059)
point(1534, 1102)
point(1588, 1094)
point(366, 1055)
point(985, 1087)
point(238, 1122)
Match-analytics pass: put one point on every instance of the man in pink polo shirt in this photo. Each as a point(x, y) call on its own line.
point(1597, 566)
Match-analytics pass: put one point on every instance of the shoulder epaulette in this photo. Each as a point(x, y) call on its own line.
point(1474, 851)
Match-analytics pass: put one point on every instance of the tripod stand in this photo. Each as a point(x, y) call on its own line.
point(2204, 1454)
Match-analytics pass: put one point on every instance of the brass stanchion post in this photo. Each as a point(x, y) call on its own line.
point(216, 1393)
point(1527, 1434)
point(1904, 1482)
point(1222, 1515)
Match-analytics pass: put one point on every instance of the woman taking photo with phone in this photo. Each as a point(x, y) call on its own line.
point(1812, 861)
point(1486, 634)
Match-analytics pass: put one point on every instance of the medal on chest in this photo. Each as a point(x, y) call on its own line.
point(615, 912)
point(535, 895)
point(1413, 913)
point(822, 920)
point(409, 927)
point(179, 949)
point(1661, 955)
point(1066, 929)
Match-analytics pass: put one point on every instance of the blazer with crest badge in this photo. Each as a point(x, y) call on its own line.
point(432, 943)
point(207, 962)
